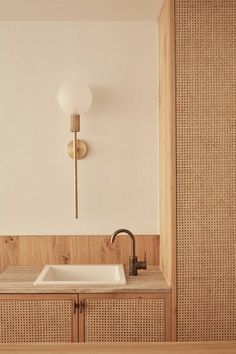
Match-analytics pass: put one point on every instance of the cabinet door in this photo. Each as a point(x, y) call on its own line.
point(38, 318)
point(124, 318)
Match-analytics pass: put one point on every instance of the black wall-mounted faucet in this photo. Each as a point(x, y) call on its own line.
point(134, 264)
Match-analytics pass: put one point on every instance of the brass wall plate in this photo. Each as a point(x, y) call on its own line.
point(82, 149)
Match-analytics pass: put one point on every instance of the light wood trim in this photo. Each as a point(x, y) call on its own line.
point(72, 297)
point(168, 318)
point(82, 319)
point(124, 296)
point(165, 296)
point(166, 45)
point(124, 348)
point(41, 250)
point(75, 320)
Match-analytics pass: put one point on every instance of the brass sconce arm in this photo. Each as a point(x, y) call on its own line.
point(75, 98)
point(75, 127)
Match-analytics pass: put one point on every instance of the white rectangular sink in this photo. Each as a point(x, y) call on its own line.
point(81, 275)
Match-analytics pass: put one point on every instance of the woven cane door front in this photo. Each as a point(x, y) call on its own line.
point(125, 319)
point(40, 318)
point(206, 169)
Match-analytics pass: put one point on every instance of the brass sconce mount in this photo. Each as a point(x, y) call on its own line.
point(81, 149)
point(80, 145)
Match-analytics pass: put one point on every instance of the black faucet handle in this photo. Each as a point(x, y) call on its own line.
point(145, 260)
point(142, 264)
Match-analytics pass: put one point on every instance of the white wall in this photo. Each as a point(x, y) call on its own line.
point(118, 179)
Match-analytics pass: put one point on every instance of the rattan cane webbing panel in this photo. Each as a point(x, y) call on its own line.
point(206, 169)
point(125, 320)
point(35, 321)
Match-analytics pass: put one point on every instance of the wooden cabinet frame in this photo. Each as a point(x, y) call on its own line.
point(197, 166)
point(78, 308)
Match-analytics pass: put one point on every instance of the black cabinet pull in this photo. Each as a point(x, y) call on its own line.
point(80, 306)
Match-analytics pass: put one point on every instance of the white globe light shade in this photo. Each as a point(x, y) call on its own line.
point(74, 97)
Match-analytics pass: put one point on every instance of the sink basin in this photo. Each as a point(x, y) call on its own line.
point(81, 275)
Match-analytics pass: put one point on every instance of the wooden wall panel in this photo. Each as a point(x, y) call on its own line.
point(41, 250)
point(206, 169)
point(167, 148)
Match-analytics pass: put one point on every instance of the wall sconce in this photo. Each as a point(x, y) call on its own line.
point(75, 98)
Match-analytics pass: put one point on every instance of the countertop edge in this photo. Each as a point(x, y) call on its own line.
point(148, 281)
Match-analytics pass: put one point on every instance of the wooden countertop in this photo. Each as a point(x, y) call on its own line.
point(21, 280)
point(125, 348)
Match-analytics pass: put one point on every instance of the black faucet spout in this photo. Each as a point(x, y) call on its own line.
point(134, 264)
point(127, 232)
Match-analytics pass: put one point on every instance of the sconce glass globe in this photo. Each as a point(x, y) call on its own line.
point(74, 97)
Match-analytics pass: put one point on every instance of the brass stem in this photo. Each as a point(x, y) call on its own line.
point(75, 174)
point(75, 127)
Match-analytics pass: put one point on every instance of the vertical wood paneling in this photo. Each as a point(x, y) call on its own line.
point(167, 148)
point(41, 250)
point(10, 250)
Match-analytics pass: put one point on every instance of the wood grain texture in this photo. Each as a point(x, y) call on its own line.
point(167, 188)
point(21, 280)
point(206, 169)
point(41, 250)
point(125, 348)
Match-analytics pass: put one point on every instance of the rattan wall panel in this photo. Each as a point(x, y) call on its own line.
point(125, 320)
point(206, 169)
point(35, 320)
